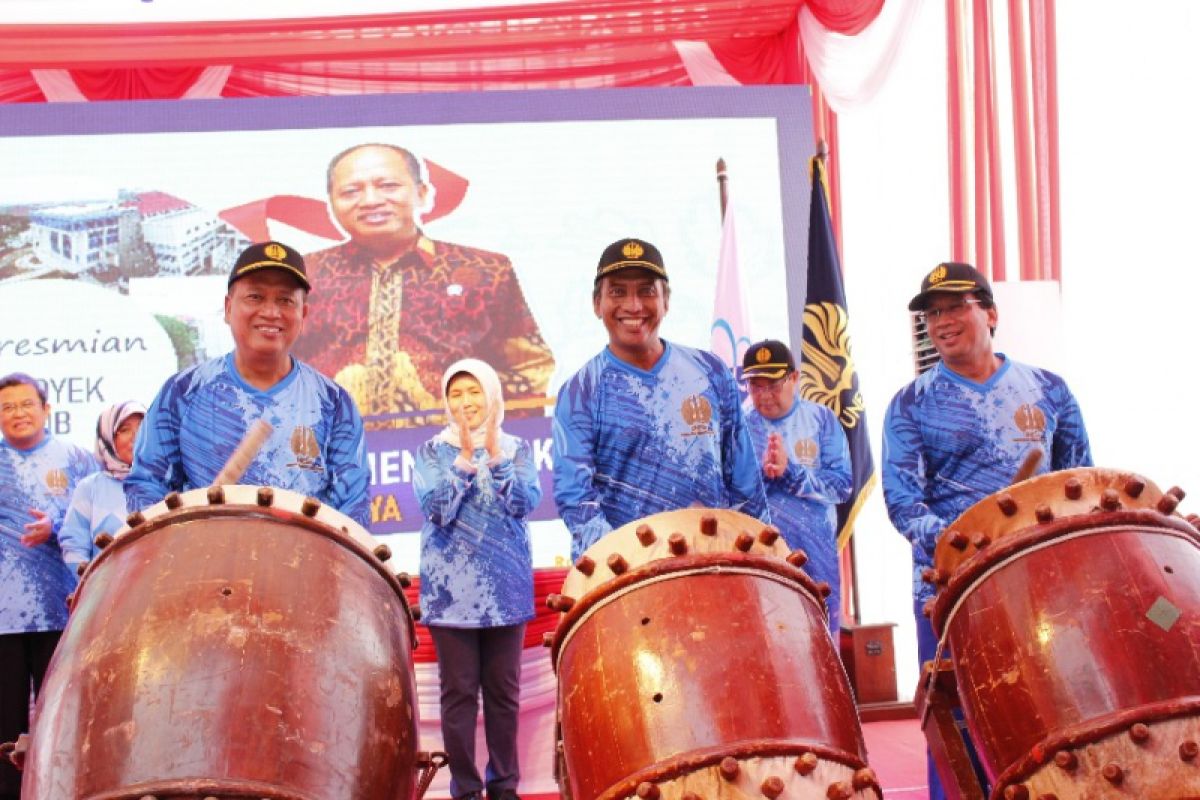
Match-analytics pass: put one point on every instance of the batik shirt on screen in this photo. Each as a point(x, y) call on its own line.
point(316, 446)
point(34, 581)
point(476, 562)
point(948, 442)
point(385, 333)
point(803, 501)
point(630, 442)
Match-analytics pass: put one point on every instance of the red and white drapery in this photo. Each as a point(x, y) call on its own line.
point(977, 175)
point(840, 47)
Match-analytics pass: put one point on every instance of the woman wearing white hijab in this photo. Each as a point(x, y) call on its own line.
point(98, 504)
point(476, 485)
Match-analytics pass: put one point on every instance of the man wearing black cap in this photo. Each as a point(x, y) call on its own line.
point(646, 425)
point(961, 430)
point(316, 446)
point(805, 461)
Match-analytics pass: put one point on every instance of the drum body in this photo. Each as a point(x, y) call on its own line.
point(231, 649)
point(709, 672)
point(1075, 629)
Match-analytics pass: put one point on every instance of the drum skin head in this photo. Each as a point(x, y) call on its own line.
point(694, 530)
point(1039, 500)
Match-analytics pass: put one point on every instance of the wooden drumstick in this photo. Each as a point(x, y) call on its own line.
point(245, 452)
point(1032, 459)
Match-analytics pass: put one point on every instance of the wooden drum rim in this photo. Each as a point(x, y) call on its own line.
point(663, 569)
point(186, 514)
point(1012, 548)
point(1091, 731)
point(694, 760)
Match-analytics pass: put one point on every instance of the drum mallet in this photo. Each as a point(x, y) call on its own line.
point(245, 452)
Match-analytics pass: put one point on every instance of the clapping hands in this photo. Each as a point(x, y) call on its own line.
point(491, 440)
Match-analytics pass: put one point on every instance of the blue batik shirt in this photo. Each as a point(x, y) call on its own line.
point(476, 563)
point(316, 446)
point(630, 442)
point(949, 442)
point(803, 500)
point(97, 506)
point(34, 581)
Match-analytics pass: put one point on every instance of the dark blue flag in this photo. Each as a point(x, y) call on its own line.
point(827, 372)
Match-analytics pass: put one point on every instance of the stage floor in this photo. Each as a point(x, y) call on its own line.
point(896, 751)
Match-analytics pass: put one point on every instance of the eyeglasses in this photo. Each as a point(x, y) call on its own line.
point(8, 409)
point(764, 385)
point(950, 312)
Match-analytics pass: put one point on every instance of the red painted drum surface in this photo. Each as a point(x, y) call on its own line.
point(231, 650)
point(687, 672)
point(1073, 627)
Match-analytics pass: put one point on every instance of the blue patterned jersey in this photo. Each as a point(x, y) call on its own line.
point(97, 506)
point(629, 443)
point(476, 563)
point(34, 581)
point(948, 442)
point(803, 500)
point(316, 446)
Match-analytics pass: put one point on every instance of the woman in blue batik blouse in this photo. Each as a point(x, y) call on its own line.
point(477, 485)
point(98, 503)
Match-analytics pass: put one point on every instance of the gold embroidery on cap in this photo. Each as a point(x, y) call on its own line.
point(763, 355)
point(632, 250)
point(275, 251)
point(938, 275)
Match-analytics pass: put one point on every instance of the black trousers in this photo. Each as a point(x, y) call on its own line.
point(23, 661)
point(471, 660)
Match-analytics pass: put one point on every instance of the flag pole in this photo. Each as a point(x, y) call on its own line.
point(849, 554)
point(722, 186)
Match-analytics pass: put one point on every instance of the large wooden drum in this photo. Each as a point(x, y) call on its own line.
point(236, 642)
point(1071, 604)
point(694, 661)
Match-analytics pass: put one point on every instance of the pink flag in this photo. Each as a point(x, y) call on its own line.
point(731, 323)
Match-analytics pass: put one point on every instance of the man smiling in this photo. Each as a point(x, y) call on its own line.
point(398, 306)
point(646, 425)
point(37, 475)
point(316, 446)
point(960, 431)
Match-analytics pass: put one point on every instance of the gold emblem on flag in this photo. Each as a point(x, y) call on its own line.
point(632, 250)
point(763, 355)
point(697, 412)
point(305, 448)
point(275, 252)
point(806, 452)
point(1031, 421)
point(827, 365)
point(938, 275)
point(56, 482)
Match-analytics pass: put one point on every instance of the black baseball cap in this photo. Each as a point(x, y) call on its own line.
point(630, 253)
point(950, 276)
point(769, 358)
point(270, 255)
